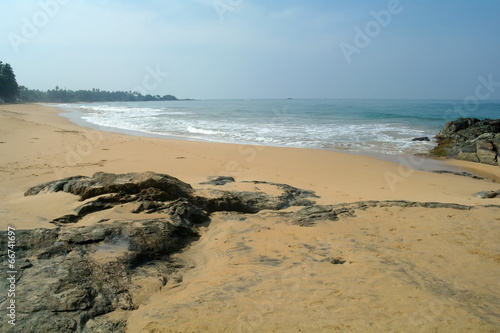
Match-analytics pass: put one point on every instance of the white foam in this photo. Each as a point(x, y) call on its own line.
point(247, 128)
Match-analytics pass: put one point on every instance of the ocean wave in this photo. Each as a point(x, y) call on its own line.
point(330, 124)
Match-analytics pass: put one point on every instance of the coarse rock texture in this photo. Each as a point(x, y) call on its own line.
point(470, 139)
point(87, 278)
point(89, 271)
point(73, 274)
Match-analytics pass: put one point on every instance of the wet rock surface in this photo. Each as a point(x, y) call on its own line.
point(470, 139)
point(70, 277)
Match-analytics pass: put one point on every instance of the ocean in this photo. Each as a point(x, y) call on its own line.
point(357, 126)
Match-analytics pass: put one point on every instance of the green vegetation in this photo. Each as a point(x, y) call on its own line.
point(9, 90)
point(440, 149)
point(57, 95)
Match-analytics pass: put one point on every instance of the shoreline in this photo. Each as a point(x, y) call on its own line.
point(332, 137)
point(418, 160)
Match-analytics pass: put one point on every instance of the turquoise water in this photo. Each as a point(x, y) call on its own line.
point(362, 126)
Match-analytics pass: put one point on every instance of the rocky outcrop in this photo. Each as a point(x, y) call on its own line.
point(70, 277)
point(158, 186)
point(73, 274)
point(159, 193)
point(309, 215)
point(470, 139)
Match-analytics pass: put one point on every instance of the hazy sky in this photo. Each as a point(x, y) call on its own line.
point(257, 48)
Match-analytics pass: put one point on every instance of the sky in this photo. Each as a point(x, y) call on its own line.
point(225, 49)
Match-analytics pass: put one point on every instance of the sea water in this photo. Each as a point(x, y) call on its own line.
point(358, 126)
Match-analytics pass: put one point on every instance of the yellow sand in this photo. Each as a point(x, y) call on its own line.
point(408, 270)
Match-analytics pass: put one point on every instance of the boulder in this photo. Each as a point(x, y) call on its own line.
point(104, 183)
point(465, 129)
point(470, 139)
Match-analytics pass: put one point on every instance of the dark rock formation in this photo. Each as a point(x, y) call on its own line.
point(155, 193)
point(463, 173)
point(423, 138)
point(218, 180)
point(78, 273)
point(470, 139)
point(309, 215)
point(162, 187)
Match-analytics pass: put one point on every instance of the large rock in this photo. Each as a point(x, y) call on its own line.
point(79, 273)
point(156, 193)
point(168, 188)
point(470, 139)
point(465, 129)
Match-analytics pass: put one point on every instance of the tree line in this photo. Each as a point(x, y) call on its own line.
point(9, 89)
point(11, 92)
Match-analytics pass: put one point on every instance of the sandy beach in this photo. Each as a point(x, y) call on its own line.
point(404, 269)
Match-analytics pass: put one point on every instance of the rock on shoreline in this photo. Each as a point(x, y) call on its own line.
point(470, 139)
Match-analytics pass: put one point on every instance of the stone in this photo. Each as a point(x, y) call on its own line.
point(79, 281)
point(486, 152)
point(487, 194)
point(218, 180)
point(89, 271)
point(465, 129)
point(470, 139)
point(464, 174)
point(423, 138)
point(105, 183)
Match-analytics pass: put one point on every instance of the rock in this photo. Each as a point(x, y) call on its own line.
point(181, 211)
point(254, 202)
point(151, 191)
point(93, 270)
point(423, 138)
point(487, 194)
point(88, 271)
point(496, 142)
point(336, 261)
point(464, 174)
point(308, 216)
point(470, 139)
point(218, 180)
point(466, 129)
point(486, 152)
point(104, 183)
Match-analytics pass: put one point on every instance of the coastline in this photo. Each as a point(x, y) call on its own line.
point(39, 145)
point(386, 256)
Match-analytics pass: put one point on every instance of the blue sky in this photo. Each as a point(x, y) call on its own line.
point(256, 49)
